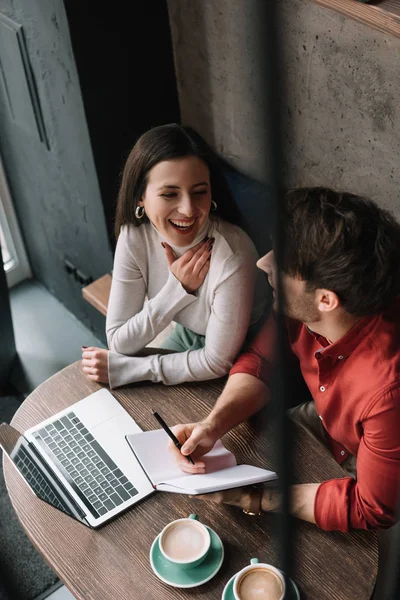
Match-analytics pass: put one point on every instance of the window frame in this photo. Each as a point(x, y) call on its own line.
point(17, 268)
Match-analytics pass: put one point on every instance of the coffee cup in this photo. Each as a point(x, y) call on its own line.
point(185, 542)
point(259, 581)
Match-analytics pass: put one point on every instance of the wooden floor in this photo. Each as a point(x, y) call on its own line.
point(383, 15)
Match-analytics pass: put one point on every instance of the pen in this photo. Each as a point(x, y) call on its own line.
point(169, 432)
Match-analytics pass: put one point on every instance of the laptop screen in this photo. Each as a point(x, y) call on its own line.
point(36, 473)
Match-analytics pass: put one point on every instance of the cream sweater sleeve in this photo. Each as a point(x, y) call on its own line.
point(131, 324)
point(226, 331)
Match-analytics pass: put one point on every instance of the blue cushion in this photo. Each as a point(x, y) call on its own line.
point(255, 203)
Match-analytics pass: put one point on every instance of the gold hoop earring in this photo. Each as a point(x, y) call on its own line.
point(214, 205)
point(139, 212)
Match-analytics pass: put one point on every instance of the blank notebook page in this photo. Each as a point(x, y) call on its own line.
point(151, 449)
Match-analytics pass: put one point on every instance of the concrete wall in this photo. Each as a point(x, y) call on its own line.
point(342, 118)
point(55, 188)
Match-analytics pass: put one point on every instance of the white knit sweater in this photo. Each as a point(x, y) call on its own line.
point(230, 299)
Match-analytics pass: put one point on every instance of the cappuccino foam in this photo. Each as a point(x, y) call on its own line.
point(260, 584)
point(184, 541)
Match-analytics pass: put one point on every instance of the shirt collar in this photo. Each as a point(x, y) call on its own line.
point(346, 344)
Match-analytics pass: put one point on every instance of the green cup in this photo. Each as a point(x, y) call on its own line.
point(185, 542)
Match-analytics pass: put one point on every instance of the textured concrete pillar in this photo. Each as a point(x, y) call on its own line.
point(341, 117)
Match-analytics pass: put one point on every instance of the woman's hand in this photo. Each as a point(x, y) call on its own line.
point(95, 363)
point(192, 267)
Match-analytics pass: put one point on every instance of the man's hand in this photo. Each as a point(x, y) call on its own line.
point(192, 267)
point(241, 497)
point(95, 363)
point(197, 439)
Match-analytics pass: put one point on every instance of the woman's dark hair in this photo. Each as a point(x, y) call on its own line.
point(166, 143)
point(344, 243)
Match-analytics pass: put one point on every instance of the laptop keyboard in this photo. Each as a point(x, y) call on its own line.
point(36, 480)
point(101, 484)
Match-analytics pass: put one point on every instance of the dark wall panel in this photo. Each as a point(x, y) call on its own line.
point(125, 64)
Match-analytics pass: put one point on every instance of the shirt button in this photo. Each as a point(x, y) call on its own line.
point(342, 452)
point(340, 357)
point(322, 388)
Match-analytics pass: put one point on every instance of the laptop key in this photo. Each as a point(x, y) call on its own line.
point(104, 484)
point(97, 504)
point(103, 496)
point(96, 460)
point(105, 471)
point(123, 479)
point(92, 498)
point(58, 425)
point(95, 472)
point(69, 468)
point(123, 493)
point(114, 482)
point(78, 480)
point(108, 490)
point(85, 460)
point(109, 476)
point(133, 492)
point(108, 504)
point(93, 485)
point(66, 422)
point(84, 473)
point(83, 486)
point(97, 490)
point(103, 455)
point(118, 473)
point(102, 511)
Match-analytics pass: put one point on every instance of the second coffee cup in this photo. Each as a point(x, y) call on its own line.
point(185, 542)
point(259, 581)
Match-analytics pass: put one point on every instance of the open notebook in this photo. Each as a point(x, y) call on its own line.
point(150, 448)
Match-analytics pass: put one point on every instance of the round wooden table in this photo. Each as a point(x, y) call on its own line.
point(112, 563)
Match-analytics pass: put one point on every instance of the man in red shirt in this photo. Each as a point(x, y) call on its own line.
point(341, 284)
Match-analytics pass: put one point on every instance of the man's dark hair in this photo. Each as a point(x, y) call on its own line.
point(343, 243)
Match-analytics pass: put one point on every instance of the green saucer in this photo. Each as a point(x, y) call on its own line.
point(177, 577)
point(227, 594)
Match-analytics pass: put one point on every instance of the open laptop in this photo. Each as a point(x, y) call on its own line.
point(78, 460)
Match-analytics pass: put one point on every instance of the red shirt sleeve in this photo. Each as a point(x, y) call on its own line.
point(371, 501)
point(257, 360)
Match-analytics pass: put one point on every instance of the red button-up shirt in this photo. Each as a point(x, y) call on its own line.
point(355, 384)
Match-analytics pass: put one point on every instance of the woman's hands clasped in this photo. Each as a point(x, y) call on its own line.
point(192, 267)
point(95, 363)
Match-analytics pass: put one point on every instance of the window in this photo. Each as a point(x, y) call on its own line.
point(15, 261)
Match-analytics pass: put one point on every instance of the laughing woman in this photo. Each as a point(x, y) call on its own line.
point(179, 257)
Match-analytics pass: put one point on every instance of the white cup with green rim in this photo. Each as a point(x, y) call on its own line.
point(259, 580)
point(185, 542)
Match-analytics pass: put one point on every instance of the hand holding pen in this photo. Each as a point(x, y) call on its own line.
point(170, 434)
